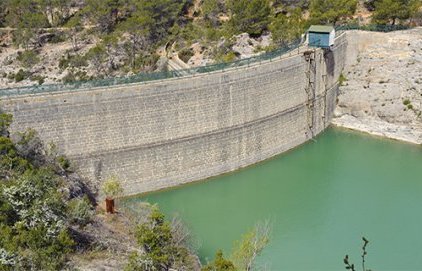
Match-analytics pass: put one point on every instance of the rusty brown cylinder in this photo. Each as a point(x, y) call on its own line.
point(110, 205)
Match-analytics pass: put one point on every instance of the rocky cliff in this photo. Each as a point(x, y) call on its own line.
point(382, 85)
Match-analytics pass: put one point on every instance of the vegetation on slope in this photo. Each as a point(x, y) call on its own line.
point(101, 38)
point(38, 203)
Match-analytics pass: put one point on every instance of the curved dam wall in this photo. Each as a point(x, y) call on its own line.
point(165, 133)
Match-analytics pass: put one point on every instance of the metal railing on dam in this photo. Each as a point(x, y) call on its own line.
point(147, 77)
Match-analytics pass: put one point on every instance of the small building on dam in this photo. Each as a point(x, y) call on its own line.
point(321, 36)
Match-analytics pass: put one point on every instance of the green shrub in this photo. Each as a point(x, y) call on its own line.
point(21, 75)
point(162, 249)
point(75, 76)
point(229, 57)
point(342, 79)
point(28, 58)
point(40, 79)
point(34, 211)
point(73, 61)
point(33, 228)
point(80, 210)
point(406, 102)
point(58, 37)
point(64, 63)
point(111, 187)
point(63, 162)
point(219, 264)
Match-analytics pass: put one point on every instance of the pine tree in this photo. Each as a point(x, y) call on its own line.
point(331, 11)
point(251, 16)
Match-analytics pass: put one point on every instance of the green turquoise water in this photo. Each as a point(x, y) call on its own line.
point(321, 198)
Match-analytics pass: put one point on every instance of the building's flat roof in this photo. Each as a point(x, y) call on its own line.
point(321, 28)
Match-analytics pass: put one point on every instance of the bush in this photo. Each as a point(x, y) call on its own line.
point(34, 211)
point(111, 187)
point(33, 228)
point(80, 210)
point(58, 37)
point(40, 79)
point(21, 75)
point(63, 162)
point(219, 264)
point(342, 79)
point(162, 249)
point(229, 57)
point(28, 58)
point(75, 76)
point(406, 102)
point(72, 61)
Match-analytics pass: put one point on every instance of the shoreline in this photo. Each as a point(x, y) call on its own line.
point(379, 128)
point(334, 125)
point(382, 91)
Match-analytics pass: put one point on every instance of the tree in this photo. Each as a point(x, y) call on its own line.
point(110, 44)
point(416, 11)
point(331, 11)
point(11, 164)
point(389, 11)
point(104, 13)
point(251, 16)
point(220, 264)
point(97, 55)
point(111, 189)
point(5, 122)
point(162, 14)
point(162, 250)
point(286, 28)
point(138, 29)
point(210, 11)
point(27, 18)
point(75, 26)
point(250, 247)
point(56, 11)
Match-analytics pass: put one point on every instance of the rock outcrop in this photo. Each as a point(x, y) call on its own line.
point(382, 88)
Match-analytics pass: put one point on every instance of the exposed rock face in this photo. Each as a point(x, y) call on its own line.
point(201, 55)
point(383, 91)
point(246, 47)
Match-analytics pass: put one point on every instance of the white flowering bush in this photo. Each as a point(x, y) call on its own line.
point(34, 225)
point(34, 211)
point(7, 259)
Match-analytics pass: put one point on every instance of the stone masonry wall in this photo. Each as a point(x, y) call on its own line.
point(169, 132)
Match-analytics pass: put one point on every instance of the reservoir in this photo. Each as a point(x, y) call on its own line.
point(321, 198)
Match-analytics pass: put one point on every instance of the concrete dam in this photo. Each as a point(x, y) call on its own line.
point(165, 133)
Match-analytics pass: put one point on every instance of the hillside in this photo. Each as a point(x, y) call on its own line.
point(43, 42)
